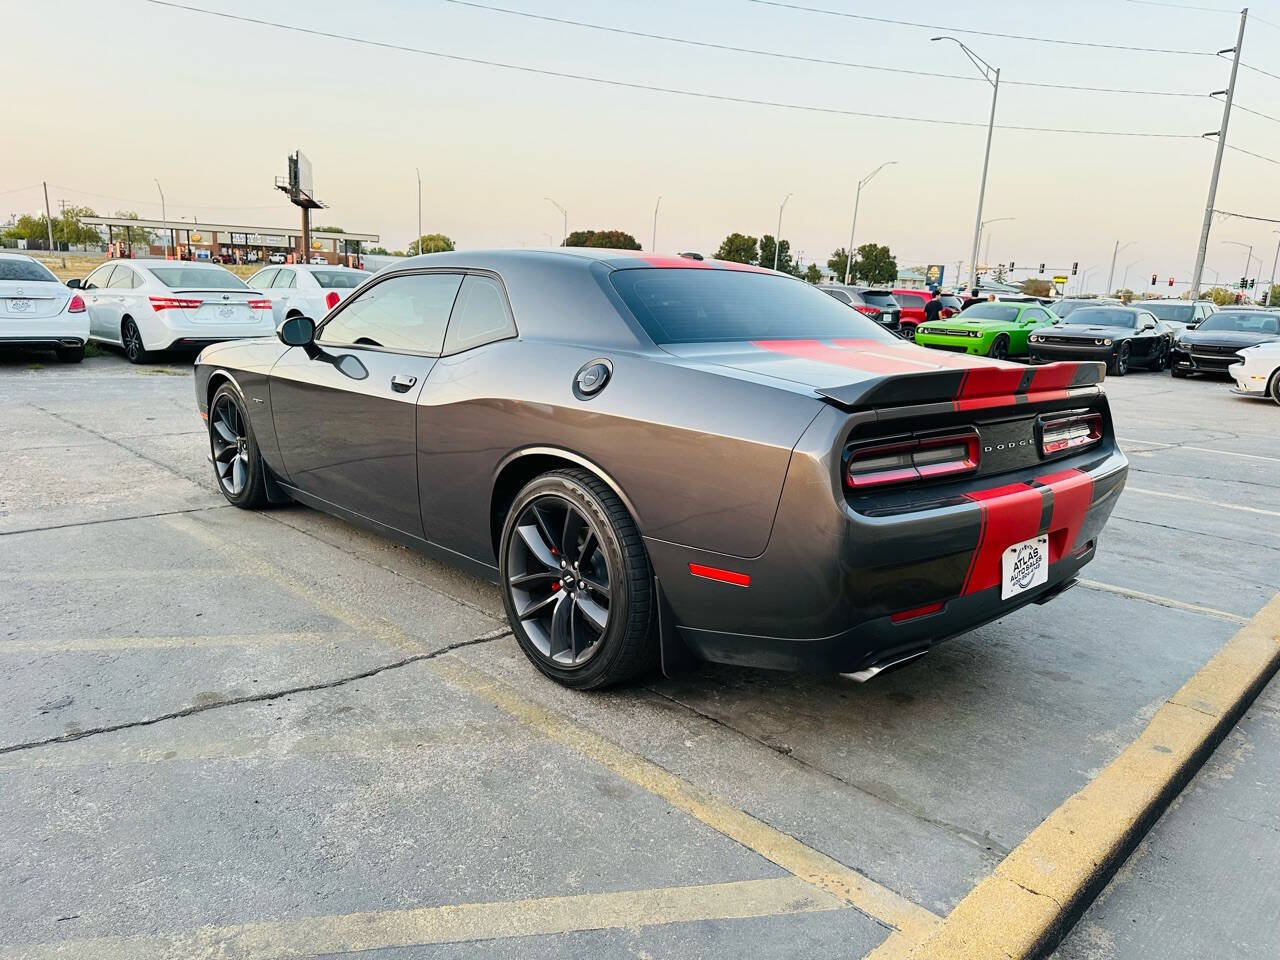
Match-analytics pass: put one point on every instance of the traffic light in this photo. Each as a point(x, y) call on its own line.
point(1251, 283)
point(1153, 279)
point(1074, 267)
point(1171, 281)
point(1244, 283)
point(1042, 268)
point(1010, 264)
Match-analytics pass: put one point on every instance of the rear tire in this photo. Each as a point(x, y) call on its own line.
point(561, 522)
point(999, 348)
point(237, 463)
point(131, 338)
point(70, 354)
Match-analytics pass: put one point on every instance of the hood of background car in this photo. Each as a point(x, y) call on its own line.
point(1224, 338)
point(1092, 332)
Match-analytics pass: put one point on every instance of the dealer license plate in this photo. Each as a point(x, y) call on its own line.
point(18, 306)
point(1024, 565)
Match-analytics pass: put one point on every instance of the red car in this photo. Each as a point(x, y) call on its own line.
point(912, 303)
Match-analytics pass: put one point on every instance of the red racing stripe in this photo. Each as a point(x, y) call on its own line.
point(1072, 494)
point(1010, 514)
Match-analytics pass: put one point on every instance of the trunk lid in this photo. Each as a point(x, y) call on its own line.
point(219, 307)
point(32, 299)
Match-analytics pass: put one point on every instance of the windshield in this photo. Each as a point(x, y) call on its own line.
point(1103, 317)
point(701, 306)
point(1065, 307)
point(991, 311)
point(27, 270)
point(198, 278)
point(1242, 322)
point(339, 279)
point(1177, 312)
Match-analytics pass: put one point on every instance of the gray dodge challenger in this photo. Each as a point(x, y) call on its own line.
point(667, 459)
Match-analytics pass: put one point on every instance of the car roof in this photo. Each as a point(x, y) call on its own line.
point(613, 259)
point(9, 255)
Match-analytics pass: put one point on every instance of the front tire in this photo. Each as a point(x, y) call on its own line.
point(999, 348)
point(1119, 365)
point(131, 338)
point(70, 354)
point(1176, 373)
point(237, 462)
point(577, 585)
point(1274, 390)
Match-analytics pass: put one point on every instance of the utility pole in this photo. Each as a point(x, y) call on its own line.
point(48, 220)
point(777, 239)
point(1217, 159)
point(653, 240)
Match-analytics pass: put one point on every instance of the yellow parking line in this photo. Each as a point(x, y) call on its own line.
point(1023, 906)
point(460, 923)
point(1212, 503)
point(1163, 601)
point(818, 869)
point(85, 644)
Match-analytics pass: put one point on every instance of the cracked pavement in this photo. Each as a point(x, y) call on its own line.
point(213, 717)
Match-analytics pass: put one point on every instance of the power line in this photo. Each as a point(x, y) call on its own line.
point(1265, 73)
point(1256, 113)
point(1244, 216)
point(34, 186)
point(702, 95)
point(980, 33)
point(803, 59)
point(182, 203)
point(1183, 6)
point(1252, 154)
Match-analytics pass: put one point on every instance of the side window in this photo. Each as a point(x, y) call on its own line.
point(122, 279)
point(1034, 315)
point(98, 279)
point(842, 296)
point(262, 279)
point(909, 301)
point(284, 278)
point(401, 313)
point(480, 315)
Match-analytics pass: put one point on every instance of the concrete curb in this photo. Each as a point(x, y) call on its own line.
point(1031, 899)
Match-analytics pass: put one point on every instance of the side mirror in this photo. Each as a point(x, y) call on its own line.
point(74, 284)
point(297, 331)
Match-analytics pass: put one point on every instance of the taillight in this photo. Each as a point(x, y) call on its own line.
point(920, 458)
point(259, 304)
point(869, 310)
point(173, 303)
point(1070, 433)
point(331, 299)
point(76, 305)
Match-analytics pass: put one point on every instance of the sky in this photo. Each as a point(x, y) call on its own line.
point(118, 95)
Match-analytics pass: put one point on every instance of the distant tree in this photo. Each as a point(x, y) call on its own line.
point(1124, 296)
point(785, 263)
point(34, 230)
point(838, 262)
point(1035, 287)
point(380, 251)
point(328, 230)
point(68, 231)
point(813, 273)
point(134, 235)
point(430, 243)
point(1221, 296)
point(610, 239)
point(875, 264)
point(738, 248)
point(998, 274)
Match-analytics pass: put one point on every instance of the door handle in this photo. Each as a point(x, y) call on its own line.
point(400, 383)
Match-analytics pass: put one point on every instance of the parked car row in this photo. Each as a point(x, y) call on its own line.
point(147, 305)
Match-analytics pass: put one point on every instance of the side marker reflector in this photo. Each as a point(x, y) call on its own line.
point(904, 615)
point(724, 576)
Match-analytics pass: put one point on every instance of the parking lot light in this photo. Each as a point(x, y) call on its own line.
point(777, 239)
point(857, 197)
point(564, 213)
point(163, 216)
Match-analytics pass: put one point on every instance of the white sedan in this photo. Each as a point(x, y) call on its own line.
point(148, 305)
point(300, 288)
point(1258, 372)
point(38, 311)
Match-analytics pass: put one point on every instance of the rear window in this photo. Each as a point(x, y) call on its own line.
point(701, 306)
point(339, 279)
point(879, 298)
point(198, 278)
point(27, 270)
point(1103, 317)
point(1242, 322)
point(1177, 312)
point(991, 311)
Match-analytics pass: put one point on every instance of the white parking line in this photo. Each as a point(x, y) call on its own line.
point(1183, 446)
point(1212, 503)
point(1163, 601)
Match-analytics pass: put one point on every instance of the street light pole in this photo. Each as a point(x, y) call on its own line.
point(1244, 289)
point(992, 76)
point(419, 173)
point(163, 216)
point(1275, 260)
point(857, 198)
point(1125, 282)
point(653, 240)
point(1111, 275)
point(564, 213)
point(1221, 134)
point(777, 237)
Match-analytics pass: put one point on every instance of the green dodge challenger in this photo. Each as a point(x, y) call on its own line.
point(987, 329)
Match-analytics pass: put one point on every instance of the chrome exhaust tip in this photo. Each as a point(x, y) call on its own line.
point(873, 671)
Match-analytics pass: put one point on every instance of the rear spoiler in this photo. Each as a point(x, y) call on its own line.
point(968, 389)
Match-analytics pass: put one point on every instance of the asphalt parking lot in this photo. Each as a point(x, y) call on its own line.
point(252, 735)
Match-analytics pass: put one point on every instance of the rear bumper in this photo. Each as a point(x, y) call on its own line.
point(38, 342)
point(840, 590)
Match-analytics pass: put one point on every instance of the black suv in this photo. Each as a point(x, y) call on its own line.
point(879, 305)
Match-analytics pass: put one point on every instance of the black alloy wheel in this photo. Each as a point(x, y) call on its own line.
point(1000, 348)
point(1120, 363)
point(237, 464)
point(132, 341)
point(1162, 357)
point(1275, 386)
point(578, 588)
